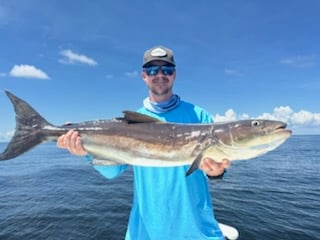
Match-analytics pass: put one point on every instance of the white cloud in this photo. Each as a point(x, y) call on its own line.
point(27, 71)
point(6, 136)
point(301, 118)
point(300, 61)
point(302, 121)
point(282, 113)
point(230, 115)
point(306, 118)
point(132, 74)
point(232, 72)
point(109, 76)
point(71, 57)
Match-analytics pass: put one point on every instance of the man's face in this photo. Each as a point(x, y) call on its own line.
point(159, 81)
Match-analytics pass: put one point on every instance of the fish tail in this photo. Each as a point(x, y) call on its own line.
point(28, 133)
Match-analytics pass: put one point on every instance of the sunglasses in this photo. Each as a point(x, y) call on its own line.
point(154, 70)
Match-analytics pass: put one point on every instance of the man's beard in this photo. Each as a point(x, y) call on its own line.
point(162, 88)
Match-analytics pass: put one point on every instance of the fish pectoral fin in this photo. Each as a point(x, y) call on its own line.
point(195, 165)
point(104, 162)
point(67, 124)
point(135, 117)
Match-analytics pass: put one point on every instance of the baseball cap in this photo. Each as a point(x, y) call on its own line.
point(158, 53)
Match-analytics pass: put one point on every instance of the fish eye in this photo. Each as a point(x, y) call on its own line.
point(255, 123)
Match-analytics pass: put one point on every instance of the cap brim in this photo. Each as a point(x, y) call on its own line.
point(158, 59)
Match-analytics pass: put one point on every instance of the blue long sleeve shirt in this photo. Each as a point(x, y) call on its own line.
point(167, 204)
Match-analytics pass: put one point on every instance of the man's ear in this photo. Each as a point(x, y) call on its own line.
point(144, 76)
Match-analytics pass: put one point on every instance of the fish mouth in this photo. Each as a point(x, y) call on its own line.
point(283, 132)
point(282, 128)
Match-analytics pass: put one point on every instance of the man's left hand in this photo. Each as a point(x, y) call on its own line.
point(213, 168)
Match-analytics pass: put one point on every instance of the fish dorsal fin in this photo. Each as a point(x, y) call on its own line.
point(135, 117)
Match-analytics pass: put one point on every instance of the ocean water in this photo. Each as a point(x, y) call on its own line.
point(49, 194)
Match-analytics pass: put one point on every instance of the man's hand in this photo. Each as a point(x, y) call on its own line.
point(213, 168)
point(72, 142)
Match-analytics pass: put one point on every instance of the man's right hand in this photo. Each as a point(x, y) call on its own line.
point(72, 142)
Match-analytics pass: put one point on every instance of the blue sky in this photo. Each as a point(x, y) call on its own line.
point(81, 60)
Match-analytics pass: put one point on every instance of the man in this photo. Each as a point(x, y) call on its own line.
point(166, 204)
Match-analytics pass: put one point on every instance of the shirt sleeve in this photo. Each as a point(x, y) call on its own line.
point(111, 171)
point(204, 116)
point(208, 118)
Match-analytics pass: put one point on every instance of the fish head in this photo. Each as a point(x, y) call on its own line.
point(250, 138)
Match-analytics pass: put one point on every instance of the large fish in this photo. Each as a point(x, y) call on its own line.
point(138, 139)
